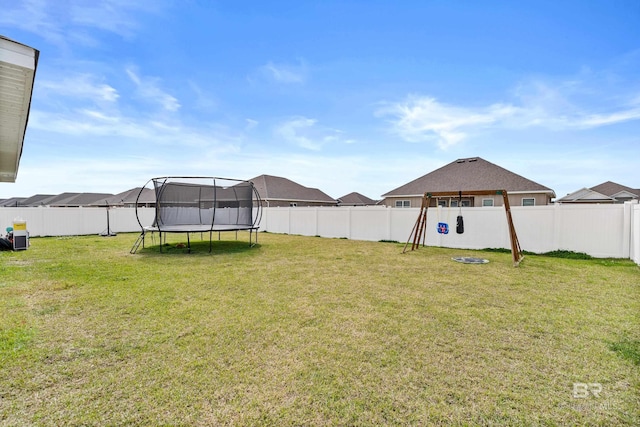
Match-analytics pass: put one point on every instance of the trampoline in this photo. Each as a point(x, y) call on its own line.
point(201, 205)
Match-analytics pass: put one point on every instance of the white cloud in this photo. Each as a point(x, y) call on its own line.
point(35, 16)
point(586, 101)
point(65, 22)
point(569, 105)
point(111, 15)
point(285, 73)
point(148, 89)
point(203, 100)
point(425, 119)
point(130, 132)
point(305, 132)
point(80, 86)
point(251, 124)
point(293, 131)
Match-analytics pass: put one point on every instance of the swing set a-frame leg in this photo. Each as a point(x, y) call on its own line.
point(516, 250)
point(419, 230)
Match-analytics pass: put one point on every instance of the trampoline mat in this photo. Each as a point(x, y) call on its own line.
point(200, 228)
point(470, 260)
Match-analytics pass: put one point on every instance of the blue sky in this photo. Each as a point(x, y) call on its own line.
point(340, 95)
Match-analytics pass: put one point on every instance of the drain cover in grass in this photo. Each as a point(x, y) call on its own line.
point(469, 260)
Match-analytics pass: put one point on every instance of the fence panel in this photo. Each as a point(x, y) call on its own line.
point(369, 223)
point(401, 222)
point(334, 223)
point(275, 221)
point(596, 230)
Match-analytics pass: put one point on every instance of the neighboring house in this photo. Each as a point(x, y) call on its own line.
point(125, 199)
point(129, 198)
point(13, 202)
point(78, 199)
point(85, 200)
point(607, 192)
point(62, 200)
point(278, 191)
point(37, 200)
point(470, 174)
point(355, 199)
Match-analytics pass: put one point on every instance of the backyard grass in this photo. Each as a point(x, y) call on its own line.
point(313, 331)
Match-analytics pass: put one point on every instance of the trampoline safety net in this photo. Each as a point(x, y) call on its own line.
point(182, 203)
point(201, 204)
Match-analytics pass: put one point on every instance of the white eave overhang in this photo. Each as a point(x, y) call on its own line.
point(300, 200)
point(18, 65)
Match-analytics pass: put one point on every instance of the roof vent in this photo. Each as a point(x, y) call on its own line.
point(460, 161)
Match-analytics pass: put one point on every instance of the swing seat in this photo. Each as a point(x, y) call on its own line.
point(443, 228)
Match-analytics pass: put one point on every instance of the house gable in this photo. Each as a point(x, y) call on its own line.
point(620, 193)
point(586, 195)
point(278, 191)
point(355, 199)
point(471, 174)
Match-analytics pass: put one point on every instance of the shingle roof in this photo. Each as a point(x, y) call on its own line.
point(610, 188)
point(37, 200)
point(60, 198)
point(469, 174)
point(78, 199)
point(12, 202)
point(130, 197)
point(86, 199)
point(355, 199)
point(277, 188)
point(586, 195)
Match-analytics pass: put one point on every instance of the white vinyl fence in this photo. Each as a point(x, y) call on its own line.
point(46, 221)
point(598, 230)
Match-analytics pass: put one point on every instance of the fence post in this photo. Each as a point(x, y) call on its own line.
point(626, 230)
point(557, 227)
point(635, 234)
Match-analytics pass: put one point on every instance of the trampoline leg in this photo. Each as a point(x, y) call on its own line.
point(188, 244)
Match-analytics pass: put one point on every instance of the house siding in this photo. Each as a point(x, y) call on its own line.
point(299, 203)
point(476, 201)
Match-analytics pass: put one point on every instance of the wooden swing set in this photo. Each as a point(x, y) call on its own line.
point(419, 232)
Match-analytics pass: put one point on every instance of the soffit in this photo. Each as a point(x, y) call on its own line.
point(17, 73)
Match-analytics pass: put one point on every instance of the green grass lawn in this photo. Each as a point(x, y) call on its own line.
point(313, 331)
